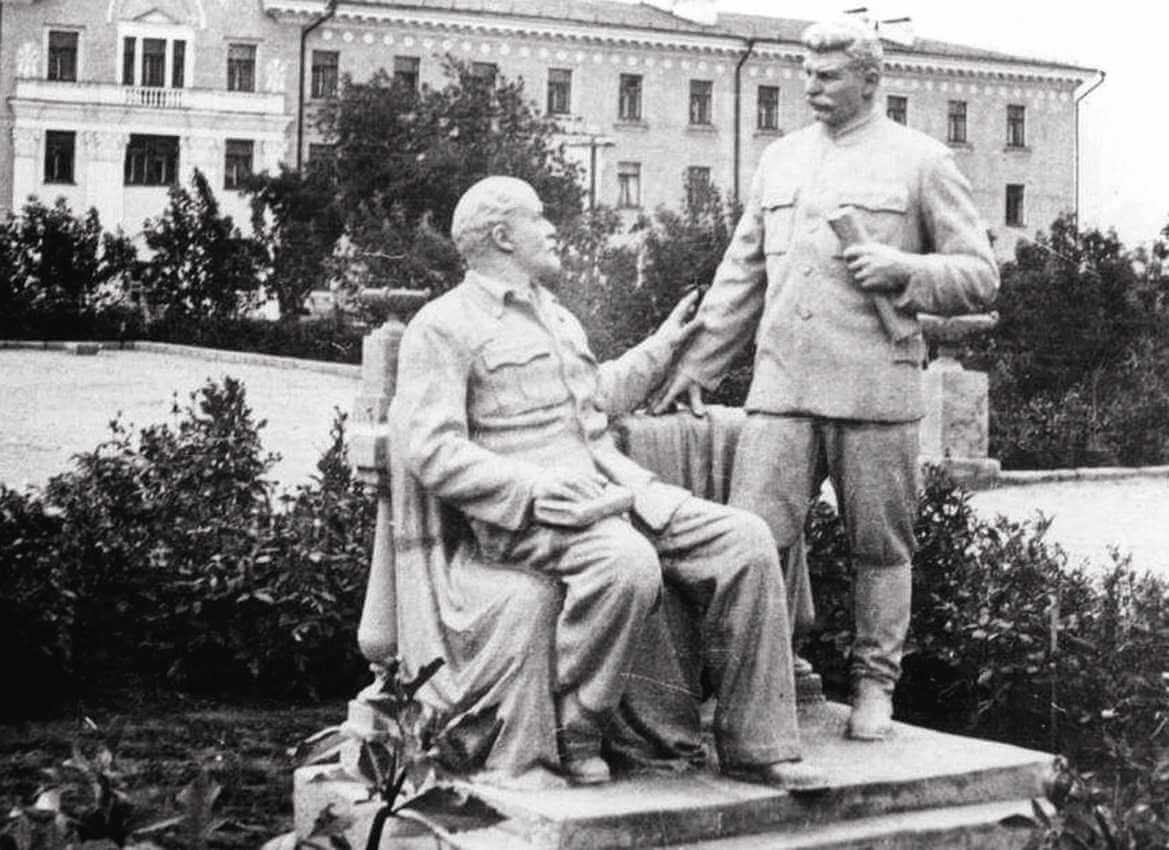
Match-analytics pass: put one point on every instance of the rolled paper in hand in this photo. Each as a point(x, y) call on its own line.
point(850, 230)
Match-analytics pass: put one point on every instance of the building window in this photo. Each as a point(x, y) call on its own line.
point(697, 186)
point(897, 108)
point(241, 67)
point(321, 155)
point(629, 98)
point(559, 91)
point(178, 64)
point(154, 62)
point(484, 72)
point(1016, 126)
point(406, 71)
point(62, 56)
point(629, 185)
point(59, 156)
point(701, 92)
point(956, 122)
point(324, 73)
point(1014, 217)
point(152, 160)
point(128, 45)
point(768, 102)
point(237, 162)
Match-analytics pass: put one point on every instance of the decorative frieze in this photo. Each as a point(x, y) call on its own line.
point(103, 146)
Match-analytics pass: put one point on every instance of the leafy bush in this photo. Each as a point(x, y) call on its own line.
point(1007, 642)
point(164, 555)
point(1074, 364)
point(201, 264)
point(59, 271)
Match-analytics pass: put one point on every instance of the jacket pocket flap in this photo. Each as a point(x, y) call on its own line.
point(877, 199)
point(778, 196)
point(513, 354)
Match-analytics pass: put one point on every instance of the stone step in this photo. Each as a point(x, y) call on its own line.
point(978, 827)
point(888, 794)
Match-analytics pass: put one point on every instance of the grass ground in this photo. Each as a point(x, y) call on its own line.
point(159, 743)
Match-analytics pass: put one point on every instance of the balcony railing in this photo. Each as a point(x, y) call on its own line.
point(147, 97)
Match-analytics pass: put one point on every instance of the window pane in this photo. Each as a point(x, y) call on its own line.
point(153, 62)
point(559, 91)
point(697, 186)
point(128, 61)
point(897, 108)
point(151, 160)
point(62, 55)
point(406, 70)
point(956, 122)
point(59, 156)
point(768, 108)
point(324, 73)
point(629, 184)
point(237, 165)
point(241, 67)
point(700, 97)
point(629, 98)
point(1016, 126)
point(484, 72)
point(1014, 212)
point(179, 64)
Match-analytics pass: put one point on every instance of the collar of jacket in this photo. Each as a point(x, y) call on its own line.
point(496, 294)
point(852, 131)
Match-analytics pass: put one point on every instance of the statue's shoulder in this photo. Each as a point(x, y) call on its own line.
point(450, 316)
point(912, 142)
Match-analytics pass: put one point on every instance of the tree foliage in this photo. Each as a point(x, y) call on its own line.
point(201, 264)
point(55, 265)
point(403, 157)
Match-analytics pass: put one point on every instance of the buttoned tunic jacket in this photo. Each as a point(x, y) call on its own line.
point(821, 349)
point(497, 384)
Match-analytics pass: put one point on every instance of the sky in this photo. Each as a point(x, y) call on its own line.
point(1124, 129)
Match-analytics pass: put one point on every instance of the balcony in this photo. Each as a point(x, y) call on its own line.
point(148, 98)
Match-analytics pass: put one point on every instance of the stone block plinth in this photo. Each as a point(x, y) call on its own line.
point(921, 789)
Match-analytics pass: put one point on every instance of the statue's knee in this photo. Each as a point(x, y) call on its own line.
point(638, 571)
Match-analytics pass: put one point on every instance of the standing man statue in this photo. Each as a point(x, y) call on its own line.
point(837, 390)
point(503, 415)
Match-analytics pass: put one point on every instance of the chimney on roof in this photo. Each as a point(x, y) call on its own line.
point(701, 12)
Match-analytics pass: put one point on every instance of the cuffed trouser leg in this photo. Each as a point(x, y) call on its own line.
point(723, 562)
point(874, 471)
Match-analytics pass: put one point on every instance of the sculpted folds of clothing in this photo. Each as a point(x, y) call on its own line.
point(820, 347)
point(494, 387)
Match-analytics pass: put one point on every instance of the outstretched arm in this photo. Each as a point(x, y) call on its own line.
point(626, 382)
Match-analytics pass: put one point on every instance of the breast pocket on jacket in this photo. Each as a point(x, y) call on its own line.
point(883, 210)
point(521, 376)
point(778, 206)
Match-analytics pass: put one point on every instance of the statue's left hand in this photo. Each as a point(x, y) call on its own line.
point(879, 268)
point(680, 326)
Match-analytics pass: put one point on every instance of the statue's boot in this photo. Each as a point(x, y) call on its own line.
point(881, 607)
point(579, 736)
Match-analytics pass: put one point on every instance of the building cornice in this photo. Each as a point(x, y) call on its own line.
point(617, 37)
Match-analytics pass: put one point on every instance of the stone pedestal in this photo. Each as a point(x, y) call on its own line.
point(920, 790)
point(955, 430)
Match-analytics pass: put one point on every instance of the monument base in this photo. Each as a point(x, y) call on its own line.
point(921, 789)
point(973, 473)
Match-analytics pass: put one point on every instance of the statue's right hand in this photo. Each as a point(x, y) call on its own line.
point(569, 486)
point(678, 386)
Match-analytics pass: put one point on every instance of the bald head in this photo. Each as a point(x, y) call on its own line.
point(490, 202)
point(851, 36)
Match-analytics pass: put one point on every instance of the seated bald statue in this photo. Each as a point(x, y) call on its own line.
point(502, 413)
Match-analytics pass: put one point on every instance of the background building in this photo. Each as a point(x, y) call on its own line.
point(109, 101)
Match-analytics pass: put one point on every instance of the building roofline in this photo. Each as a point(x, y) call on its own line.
point(643, 25)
